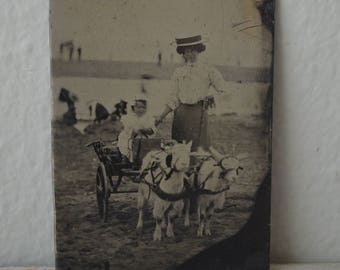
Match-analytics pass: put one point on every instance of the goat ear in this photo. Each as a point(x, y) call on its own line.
point(168, 160)
point(189, 145)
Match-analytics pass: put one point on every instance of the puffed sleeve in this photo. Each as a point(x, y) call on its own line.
point(151, 123)
point(173, 101)
point(216, 79)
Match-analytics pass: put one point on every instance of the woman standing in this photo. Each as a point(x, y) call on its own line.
point(190, 98)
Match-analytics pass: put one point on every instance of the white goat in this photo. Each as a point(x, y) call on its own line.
point(166, 170)
point(214, 177)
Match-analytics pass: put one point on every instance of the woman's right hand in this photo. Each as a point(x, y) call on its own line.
point(159, 119)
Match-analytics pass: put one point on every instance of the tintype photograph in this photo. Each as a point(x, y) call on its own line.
point(162, 133)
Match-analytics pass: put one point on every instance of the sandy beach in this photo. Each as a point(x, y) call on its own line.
point(85, 242)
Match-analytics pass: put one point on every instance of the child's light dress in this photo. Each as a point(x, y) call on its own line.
point(132, 124)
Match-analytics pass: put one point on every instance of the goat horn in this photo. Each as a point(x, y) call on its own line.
point(201, 153)
point(242, 156)
point(216, 155)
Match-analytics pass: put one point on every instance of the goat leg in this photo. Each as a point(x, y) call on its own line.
point(170, 228)
point(208, 220)
point(201, 223)
point(139, 227)
point(157, 235)
point(163, 225)
point(140, 206)
point(187, 213)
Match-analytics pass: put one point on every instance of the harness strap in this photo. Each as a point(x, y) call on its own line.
point(187, 185)
point(188, 190)
point(200, 189)
point(170, 197)
point(206, 179)
point(210, 192)
point(154, 186)
point(168, 175)
point(186, 193)
point(195, 170)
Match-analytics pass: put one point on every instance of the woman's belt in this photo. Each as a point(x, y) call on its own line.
point(207, 103)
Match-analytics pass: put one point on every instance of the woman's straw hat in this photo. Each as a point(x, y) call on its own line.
point(195, 42)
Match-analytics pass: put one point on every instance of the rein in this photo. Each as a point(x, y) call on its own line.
point(200, 189)
point(188, 189)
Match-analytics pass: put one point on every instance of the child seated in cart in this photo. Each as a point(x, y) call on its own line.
point(137, 123)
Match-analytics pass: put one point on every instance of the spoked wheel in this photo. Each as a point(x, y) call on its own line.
point(103, 193)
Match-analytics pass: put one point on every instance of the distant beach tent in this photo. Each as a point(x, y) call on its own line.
point(101, 113)
point(159, 58)
point(66, 96)
point(69, 117)
point(120, 109)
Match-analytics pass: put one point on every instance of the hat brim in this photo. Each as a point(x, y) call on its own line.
point(204, 40)
point(200, 47)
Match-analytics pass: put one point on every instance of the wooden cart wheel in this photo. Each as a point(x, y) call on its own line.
point(103, 192)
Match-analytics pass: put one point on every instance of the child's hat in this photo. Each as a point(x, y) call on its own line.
point(140, 98)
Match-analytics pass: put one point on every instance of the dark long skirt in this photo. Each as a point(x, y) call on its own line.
point(191, 124)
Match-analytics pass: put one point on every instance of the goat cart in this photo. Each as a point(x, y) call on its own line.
point(111, 169)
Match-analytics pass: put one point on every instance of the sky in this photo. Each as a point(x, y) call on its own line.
point(136, 30)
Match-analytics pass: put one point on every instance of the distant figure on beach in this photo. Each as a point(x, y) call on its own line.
point(69, 117)
point(101, 113)
point(120, 110)
point(159, 57)
point(70, 54)
point(79, 53)
point(90, 109)
point(145, 78)
point(68, 45)
point(143, 89)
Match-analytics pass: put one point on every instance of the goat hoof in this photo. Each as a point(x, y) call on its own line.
point(157, 238)
point(208, 232)
point(139, 229)
point(170, 234)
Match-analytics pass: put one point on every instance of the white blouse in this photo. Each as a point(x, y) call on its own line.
point(191, 84)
